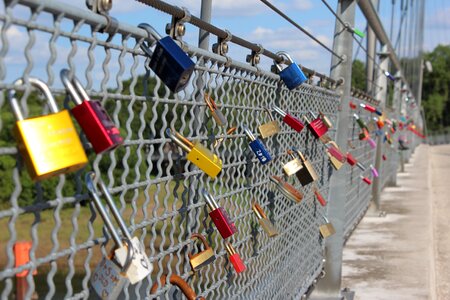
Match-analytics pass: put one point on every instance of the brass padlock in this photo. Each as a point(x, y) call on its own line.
point(270, 128)
point(326, 229)
point(307, 174)
point(215, 111)
point(293, 166)
point(335, 156)
point(179, 282)
point(286, 189)
point(264, 221)
point(49, 144)
point(325, 120)
point(202, 258)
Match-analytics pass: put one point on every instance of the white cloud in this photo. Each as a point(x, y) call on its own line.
point(302, 4)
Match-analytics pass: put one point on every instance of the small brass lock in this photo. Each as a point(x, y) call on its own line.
point(270, 128)
point(292, 166)
point(325, 120)
point(286, 189)
point(202, 258)
point(326, 229)
point(307, 174)
point(335, 156)
point(264, 221)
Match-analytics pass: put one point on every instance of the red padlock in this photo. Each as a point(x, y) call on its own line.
point(384, 157)
point(317, 127)
point(364, 135)
point(351, 160)
point(92, 117)
point(368, 107)
point(335, 152)
point(235, 258)
point(352, 105)
point(290, 120)
point(319, 197)
point(219, 216)
point(366, 180)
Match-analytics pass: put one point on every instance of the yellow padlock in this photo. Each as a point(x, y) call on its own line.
point(49, 144)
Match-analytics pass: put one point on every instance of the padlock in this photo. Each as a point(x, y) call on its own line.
point(319, 197)
point(316, 126)
point(290, 120)
point(202, 258)
point(215, 111)
point(265, 223)
point(374, 171)
point(49, 144)
point(326, 229)
point(379, 121)
point(286, 189)
point(360, 166)
point(198, 154)
point(351, 160)
point(364, 135)
point(219, 141)
point(292, 75)
point(219, 216)
point(372, 143)
point(139, 266)
point(258, 147)
point(371, 109)
point(366, 180)
point(335, 155)
point(293, 166)
point(169, 62)
point(179, 282)
point(360, 122)
point(384, 157)
point(352, 105)
point(235, 258)
point(307, 174)
point(270, 128)
point(92, 117)
point(325, 120)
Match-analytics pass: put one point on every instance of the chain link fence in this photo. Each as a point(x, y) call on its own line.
point(157, 190)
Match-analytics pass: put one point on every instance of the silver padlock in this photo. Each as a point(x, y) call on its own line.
point(139, 266)
point(109, 277)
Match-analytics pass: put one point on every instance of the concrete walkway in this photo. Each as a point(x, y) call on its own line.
point(406, 254)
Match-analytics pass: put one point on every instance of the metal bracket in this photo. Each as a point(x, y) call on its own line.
point(221, 47)
point(254, 58)
point(176, 28)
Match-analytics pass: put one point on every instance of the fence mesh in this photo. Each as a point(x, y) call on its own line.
point(156, 189)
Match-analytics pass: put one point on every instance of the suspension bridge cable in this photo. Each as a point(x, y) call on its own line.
point(274, 8)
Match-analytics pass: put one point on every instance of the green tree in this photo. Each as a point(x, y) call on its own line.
point(359, 75)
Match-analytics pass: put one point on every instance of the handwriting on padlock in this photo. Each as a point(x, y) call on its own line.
point(140, 265)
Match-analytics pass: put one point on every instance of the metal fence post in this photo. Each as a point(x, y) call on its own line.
point(396, 105)
point(330, 286)
point(381, 96)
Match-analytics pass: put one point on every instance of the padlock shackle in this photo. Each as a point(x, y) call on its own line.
point(302, 157)
point(89, 180)
point(180, 140)
point(325, 218)
point(279, 111)
point(210, 200)
point(313, 116)
point(74, 86)
point(281, 186)
point(230, 248)
point(199, 236)
point(153, 37)
point(41, 86)
point(360, 165)
point(179, 282)
point(248, 132)
point(210, 102)
point(259, 211)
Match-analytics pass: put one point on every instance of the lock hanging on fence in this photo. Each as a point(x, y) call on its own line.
point(138, 266)
point(292, 75)
point(319, 196)
point(204, 257)
point(215, 111)
point(169, 62)
point(292, 166)
point(235, 258)
point(49, 144)
point(187, 291)
point(289, 119)
point(307, 174)
point(265, 223)
point(326, 229)
point(335, 156)
point(198, 154)
point(317, 127)
point(219, 216)
point(270, 128)
point(257, 147)
point(91, 116)
point(325, 120)
point(286, 189)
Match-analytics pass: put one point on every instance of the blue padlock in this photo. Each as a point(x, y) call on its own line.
point(292, 75)
point(258, 147)
point(169, 62)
